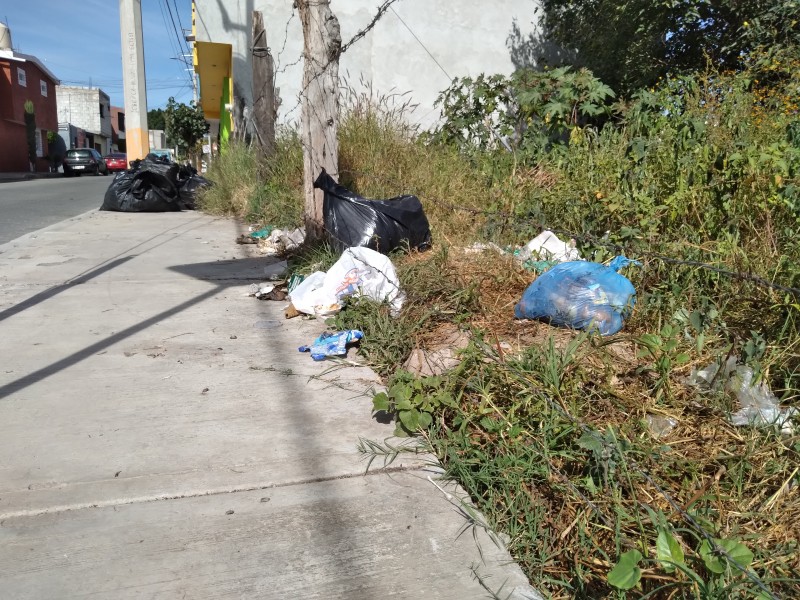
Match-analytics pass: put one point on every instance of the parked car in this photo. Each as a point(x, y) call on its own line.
point(116, 161)
point(84, 160)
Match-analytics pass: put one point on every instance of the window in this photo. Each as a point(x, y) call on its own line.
point(39, 147)
point(43, 87)
point(101, 111)
point(121, 121)
point(21, 78)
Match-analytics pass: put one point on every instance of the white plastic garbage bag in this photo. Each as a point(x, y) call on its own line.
point(359, 272)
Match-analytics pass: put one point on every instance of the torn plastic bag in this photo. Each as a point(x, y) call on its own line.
point(359, 272)
point(581, 295)
point(332, 344)
point(759, 405)
point(381, 225)
point(147, 187)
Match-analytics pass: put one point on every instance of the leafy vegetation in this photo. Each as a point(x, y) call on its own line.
point(631, 44)
point(611, 476)
point(185, 125)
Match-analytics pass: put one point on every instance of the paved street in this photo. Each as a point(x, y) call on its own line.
point(26, 206)
point(162, 437)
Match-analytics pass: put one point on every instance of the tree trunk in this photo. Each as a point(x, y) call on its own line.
point(322, 43)
point(263, 87)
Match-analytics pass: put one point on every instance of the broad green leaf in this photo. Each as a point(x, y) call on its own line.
point(681, 358)
point(718, 563)
point(380, 402)
point(668, 550)
point(589, 441)
point(626, 574)
point(410, 419)
point(425, 420)
point(400, 391)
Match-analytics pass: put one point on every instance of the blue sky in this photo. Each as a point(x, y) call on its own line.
point(79, 41)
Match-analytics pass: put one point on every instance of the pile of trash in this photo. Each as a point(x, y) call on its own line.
point(154, 184)
point(274, 241)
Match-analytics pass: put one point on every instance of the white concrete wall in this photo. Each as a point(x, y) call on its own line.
point(81, 107)
point(466, 37)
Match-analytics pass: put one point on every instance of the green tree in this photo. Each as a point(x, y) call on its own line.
point(629, 44)
point(185, 124)
point(30, 133)
point(155, 119)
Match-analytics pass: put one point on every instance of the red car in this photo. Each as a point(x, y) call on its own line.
point(116, 161)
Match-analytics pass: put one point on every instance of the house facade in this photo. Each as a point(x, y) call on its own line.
point(88, 109)
point(416, 49)
point(24, 78)
point(118, 129)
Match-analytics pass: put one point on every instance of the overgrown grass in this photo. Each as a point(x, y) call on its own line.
point(266, 192)
point(552, 432)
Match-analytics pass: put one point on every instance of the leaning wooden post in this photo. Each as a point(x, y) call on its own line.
point(263, 87)
point(322, 43)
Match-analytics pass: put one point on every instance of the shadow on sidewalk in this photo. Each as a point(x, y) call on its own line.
point(62, 287)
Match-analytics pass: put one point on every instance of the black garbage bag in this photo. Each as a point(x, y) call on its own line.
point(188, 189)
point(381, 225)
point(148, 186)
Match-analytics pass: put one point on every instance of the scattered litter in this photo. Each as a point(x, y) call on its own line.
point(759, 406)
point(548, 247)
point(229, 512)
point(478, 247)
point(276, 271)
point(332, 344)
point(660, 425)
point(295, 280)
point(290, 312)
point(262, 233)
point(281, 241)
point(266, 291)
point(380, 225)
point(233, 337)
point(581, 295)
point(358, 272)
point(246, 239)
point(205, 391)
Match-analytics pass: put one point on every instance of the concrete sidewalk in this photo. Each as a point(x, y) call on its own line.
point(163, 438)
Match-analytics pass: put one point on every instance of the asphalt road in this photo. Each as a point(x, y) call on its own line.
point(26, 206)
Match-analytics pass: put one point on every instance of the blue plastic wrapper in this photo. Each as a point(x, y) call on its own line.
point(581, 295)
point(332, 344)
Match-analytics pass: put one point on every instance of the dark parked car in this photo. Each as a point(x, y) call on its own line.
point(84, 160)
point(116, 161)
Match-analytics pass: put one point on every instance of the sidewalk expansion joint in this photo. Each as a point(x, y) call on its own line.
point(200, 493)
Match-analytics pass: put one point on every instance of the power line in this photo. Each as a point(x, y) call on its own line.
point(178, 36)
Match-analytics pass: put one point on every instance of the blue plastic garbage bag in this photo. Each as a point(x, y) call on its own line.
point(581, 295)
point(332, 344)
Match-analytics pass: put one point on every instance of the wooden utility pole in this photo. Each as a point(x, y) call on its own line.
point(322, 43)
point(264, 107)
